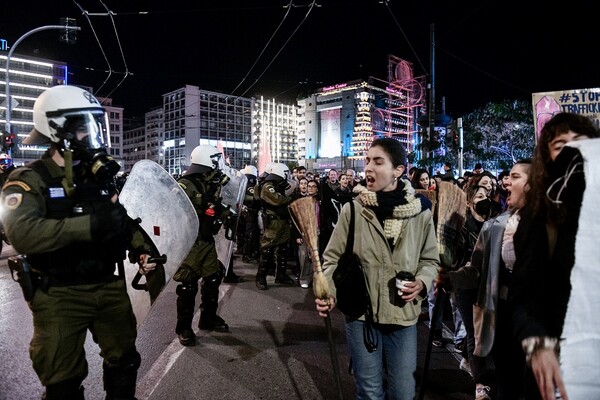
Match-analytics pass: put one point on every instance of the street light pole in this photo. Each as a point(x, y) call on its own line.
point(12, 49)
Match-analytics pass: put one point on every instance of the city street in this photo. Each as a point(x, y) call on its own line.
point(277, 349)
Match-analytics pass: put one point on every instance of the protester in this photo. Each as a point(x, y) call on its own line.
point(490, 272)
point(420, 179)
point(343, 192)
point(553, 292)
point(448, 174)
point(304, 261)
point(63, 213)
point(330, 207)
point(388, 216)
point(478, 211)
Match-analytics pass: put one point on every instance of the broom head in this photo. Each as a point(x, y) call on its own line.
point(304, 216)
point(452, 213)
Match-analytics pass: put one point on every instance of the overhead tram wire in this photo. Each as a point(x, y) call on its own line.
point(110, 14)
point(110, 70)
point(484, 72)
point(386, 3)
point(265, 47)
point(126, 73)
point(282, 47)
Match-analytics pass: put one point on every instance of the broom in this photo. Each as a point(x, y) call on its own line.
point(451, 216)
point(304, 216)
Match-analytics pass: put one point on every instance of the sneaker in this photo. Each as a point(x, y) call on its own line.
point(187, 338)
point(482, 392)
point(304, 285)
point(438, 340)
point(465, 366)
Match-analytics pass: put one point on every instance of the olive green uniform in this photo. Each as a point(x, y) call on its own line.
point(277, 232)
point(201, 261)
point(78, 289)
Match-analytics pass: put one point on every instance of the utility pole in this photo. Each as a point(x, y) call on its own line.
point(460, 146)
point(8, 100)
point(431, 89)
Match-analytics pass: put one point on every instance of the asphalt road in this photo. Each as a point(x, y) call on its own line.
point(277, 349)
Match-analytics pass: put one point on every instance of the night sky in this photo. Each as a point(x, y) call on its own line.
point(485, 51)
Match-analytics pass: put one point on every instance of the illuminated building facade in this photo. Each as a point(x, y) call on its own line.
point(274, 133)
point(29, 77)
point(193, 116)
point(339, 122)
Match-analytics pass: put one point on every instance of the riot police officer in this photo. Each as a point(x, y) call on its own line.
point(62, 212)
point(275, 193)
point(6, 167)
point(202, 183)
point(251, 240)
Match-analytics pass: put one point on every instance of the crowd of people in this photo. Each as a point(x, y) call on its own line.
point(521, 335)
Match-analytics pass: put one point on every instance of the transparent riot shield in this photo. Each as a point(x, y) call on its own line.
point(233, 196)
point(155, 200)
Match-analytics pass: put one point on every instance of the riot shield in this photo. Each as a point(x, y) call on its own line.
point(155, 200)
point(233, 196)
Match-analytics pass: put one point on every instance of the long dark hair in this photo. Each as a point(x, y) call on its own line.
point(394, 149)
point(538, 173)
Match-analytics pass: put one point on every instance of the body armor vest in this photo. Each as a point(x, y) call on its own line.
point(79, 262)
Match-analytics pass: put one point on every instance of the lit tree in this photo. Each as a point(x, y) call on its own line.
point(498, 134)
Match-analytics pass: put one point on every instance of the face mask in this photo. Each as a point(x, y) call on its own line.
point(483, 207)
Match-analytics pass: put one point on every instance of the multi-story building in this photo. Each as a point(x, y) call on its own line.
point(338, 122)
point(28, 78)
point(141, 141)
point(115, 121)
point(274, 133)
point(193, 116)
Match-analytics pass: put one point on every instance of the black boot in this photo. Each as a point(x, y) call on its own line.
point(232, 277)
point(120, 376)
point(281, 265)
point(209, 320)
point(266, 259)
point(186, 302)
point(70, 389)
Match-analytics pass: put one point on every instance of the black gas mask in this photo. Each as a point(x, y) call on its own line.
point(86, 136)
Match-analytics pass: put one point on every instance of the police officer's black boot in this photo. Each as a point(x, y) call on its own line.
point(70, 389)
point(266, 259)
point(120, 377)
point(209, 320)
point(232, 277)
point(281, 275)
point(186, 302)
point(249, 250)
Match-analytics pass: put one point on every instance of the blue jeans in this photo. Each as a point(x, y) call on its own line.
point(396, 355)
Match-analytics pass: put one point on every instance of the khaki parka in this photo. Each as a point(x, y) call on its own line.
point(416, 251)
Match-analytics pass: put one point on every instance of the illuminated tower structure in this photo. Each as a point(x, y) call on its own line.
point(405, 102)
point(339, 122)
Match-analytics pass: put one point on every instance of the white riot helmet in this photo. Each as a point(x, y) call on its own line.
point(64, 113)
point(250, 170)
point(280, 170)
point(204, 159)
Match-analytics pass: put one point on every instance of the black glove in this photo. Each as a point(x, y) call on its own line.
point(108, 221)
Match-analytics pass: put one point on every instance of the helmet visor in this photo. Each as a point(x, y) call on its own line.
point(88, 129)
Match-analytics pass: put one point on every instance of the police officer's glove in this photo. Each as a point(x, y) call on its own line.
point(108, 221)
point(145, 266)
point(291, 187)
